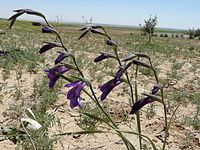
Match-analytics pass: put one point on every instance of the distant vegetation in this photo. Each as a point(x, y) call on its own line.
point(149, 26)
point(194, 33)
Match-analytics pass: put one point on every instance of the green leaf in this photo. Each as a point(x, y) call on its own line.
point(153, 97)
point(69, 66)
point(129, 58)
point(97, 118)
point(14, 17)
point(81, 132)
point(82, 79)
point(140, 63)
point(142, 55)
point(144, 136)
point(83, 34)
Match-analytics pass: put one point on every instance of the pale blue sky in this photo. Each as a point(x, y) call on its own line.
point(181, 14)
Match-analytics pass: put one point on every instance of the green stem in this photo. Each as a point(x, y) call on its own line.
point(99, 105)
point(47, 22)
point(127, 142)
point(164, 106)
point(127, 77)
point(77, 67)
point(62, 43)
point(138, 113)
point(166, 124)
point(59, 37)
point(154, 71)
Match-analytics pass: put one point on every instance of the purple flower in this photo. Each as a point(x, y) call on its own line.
point(139, 104)
point(48, 46)
point(156, 88)
point(144, 101)
point(103, 56)
point(36, 24)
point(74, 94)
point(118, 74)
point(110, 85)
point(50, 30)
point(47, 30)
point(61, 57)
point(52, 74)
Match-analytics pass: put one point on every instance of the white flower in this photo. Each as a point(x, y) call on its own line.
point(32, 124)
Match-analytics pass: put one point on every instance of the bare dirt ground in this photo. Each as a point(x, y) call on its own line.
point(181, 137)
point(152, 127)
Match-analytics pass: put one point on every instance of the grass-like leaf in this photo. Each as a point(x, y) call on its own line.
point(140, 63)
point(14, 17)
point(83, 34)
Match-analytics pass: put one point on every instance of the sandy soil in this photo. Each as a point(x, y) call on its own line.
point(152, 127)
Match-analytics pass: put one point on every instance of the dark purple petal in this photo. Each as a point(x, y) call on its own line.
point(61, 69)
point(74, 94)
point(53, 81)
point(118, 74)
point(75, 102)
point(47, 47)
point(76, 90)
point(79, 88)
point(101, 57)
point(75, 83)
point(47, 30)
point(71, 93)
point(139, 104)
point(60, 58)
point(156, 88)
point(36, 24)
point(108, 87)
point(52, 74)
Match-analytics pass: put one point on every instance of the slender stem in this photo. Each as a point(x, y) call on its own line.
point(62, 44)
point(29, 136)
point(164, 106)
point(154, 71)
point(106, 34)
point(48, 22)
point(166, 124)
point(94, 95)
point(138, 113)
point(99, 105)
point(130, 146)
point(59, 37)
point(127, 77)
point(127, 142)
point(77, 66)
